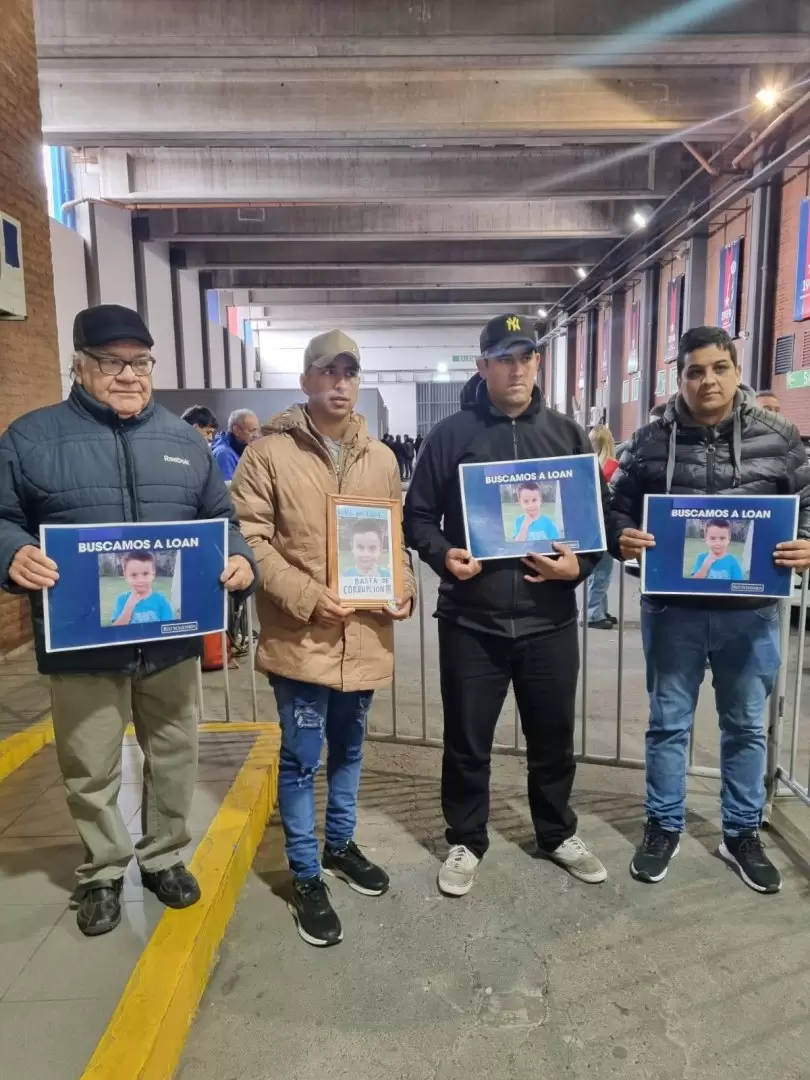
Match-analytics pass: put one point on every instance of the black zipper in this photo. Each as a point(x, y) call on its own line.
point(518, 568)
point(710, 458)
point(129, 475)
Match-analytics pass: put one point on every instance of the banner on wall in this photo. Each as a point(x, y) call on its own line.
point(674, 318)
point(605, 342)
point(801, 301)
point(728, 290)
point(635, 332)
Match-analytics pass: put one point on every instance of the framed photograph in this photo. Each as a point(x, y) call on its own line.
point(512, 508)
point(128, 584)
point(673, 381)
point(707, 545)
point(661, 384)
point(365, 550)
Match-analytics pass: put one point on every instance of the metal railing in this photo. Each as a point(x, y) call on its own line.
point(226, 679)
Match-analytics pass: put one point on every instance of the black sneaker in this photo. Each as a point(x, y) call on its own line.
point(602, 624)
point(314, 915)
point(99, 907)
point(354, 868)
point(612, 618)
point(176, 887)
point(651, 860)
point(746, 853)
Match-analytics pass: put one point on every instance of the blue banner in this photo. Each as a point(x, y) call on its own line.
point(512, 508)
point(728, 287)
point(127, 584)
point(801, 298)
point(708, 545)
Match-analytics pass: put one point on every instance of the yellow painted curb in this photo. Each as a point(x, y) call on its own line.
point(17, 749)
point(146, 1034)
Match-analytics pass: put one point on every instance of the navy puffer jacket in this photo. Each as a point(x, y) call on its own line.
point(78, 463)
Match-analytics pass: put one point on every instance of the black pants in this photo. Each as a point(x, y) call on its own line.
point(476, 669)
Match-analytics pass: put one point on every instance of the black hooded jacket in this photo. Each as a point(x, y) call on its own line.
point(752, 452)
point(498, 600)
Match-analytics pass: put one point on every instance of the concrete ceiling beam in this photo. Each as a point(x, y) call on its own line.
point(442, 277)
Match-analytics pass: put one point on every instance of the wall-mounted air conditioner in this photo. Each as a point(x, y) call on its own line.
point(12, 280)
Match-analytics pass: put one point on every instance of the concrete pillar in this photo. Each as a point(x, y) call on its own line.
point(571, 368)
point(648, 344)
point(107, 231)
point(217, 367)
point(763, 254)
point(694, 289)
point(189, 328)
point(616, 363)
point(236, 374)
point(157, 309)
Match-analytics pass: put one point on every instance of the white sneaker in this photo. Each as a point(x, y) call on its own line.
point(578, 861)
point(458, 871)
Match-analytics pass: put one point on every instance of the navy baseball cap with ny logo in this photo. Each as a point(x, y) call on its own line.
point(505, 333)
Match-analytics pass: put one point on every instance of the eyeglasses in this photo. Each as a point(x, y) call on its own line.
point(114, 365)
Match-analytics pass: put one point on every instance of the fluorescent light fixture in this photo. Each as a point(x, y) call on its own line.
point(768, 96)
point(441, 366)
point(640, 219)
point(582, 273)
point(542, 313)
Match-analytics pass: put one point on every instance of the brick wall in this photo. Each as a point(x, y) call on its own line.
point(671, 270)
point(29, 358)
point(796, 186)
point(731, 225)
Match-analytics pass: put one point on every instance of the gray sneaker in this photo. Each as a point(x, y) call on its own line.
point(458, 871)
point(578, 861)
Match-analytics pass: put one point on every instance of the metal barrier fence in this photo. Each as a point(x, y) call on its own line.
point(788, 744)
point(226, 679)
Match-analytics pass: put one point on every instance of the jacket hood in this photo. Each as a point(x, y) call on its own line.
point(296, 421)
point(677, 415)
point(469, 392)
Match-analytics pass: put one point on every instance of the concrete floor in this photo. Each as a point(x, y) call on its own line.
point(532, 974)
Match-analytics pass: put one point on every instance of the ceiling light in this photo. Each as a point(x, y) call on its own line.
point(768, 96)
point(640, 219)
point(581, 272)
point(542, 313)
point(441, 366)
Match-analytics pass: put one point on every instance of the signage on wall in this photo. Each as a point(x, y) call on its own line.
point(674, 318)
point(801, 300)
point(798, 380)
point(605, 342)
point(465, 360)
point(635, 329)
point(728, 289)
point(661, 384)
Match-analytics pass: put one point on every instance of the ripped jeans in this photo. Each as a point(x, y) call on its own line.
point(309, 715)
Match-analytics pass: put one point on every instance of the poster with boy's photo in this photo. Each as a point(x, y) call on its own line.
point(512, 508)
point(365, 545)
point(718, 545)
point(130, 583)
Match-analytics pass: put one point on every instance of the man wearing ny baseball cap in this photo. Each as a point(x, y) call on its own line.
point(323, 658)
point(501, 621)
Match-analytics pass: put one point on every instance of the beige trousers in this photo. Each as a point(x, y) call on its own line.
point(90, 715)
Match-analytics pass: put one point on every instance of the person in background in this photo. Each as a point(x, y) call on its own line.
point(399, 453)
point(502, 621)
point(110, 454)
point(599, 618)
point(228, 446)
point(324, 660)
point(417, 445)
point(201, 418)
point(408, 453)
point(713, 440)
point(767, 399)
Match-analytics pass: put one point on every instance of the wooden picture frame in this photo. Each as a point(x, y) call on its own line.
point(353, 554)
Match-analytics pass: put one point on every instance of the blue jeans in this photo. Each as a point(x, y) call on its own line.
point(743, 650)
point(309, 715)
point(598, 585)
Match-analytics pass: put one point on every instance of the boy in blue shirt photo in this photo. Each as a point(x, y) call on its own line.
point(532, 525)
point(717, 564)
point(367, 546)
point(140, 604)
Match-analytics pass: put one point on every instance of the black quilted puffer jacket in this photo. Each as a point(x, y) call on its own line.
point(77, 463)
point(753, 452)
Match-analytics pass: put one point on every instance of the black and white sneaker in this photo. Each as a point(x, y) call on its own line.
point(355, 869)
point(746, 853)
point(651, 860)
point(314, 915)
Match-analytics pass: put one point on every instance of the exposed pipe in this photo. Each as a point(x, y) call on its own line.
point(751, 182)
point(700, 159)
point(769, 130)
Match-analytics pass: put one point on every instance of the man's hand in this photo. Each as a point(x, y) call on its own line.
point(329, 611)
point(461, 564)
point(794, 554)
point(31, 569)
point(564, 568)
point(633, 542)
point(238, 574)
point(399, 609)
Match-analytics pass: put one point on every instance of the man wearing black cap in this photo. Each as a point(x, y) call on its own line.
point(110, 454)
point(512, 620)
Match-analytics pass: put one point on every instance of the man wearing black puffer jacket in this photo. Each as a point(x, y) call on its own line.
point(502, 621)
point(110, 454)
point(711, 440)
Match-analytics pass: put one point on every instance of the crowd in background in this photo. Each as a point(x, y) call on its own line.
point(404, 449)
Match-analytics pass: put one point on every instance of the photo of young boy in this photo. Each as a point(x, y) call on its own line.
point(527, 520)
point(368, 541)
point(144, 599)
point(723, 557)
